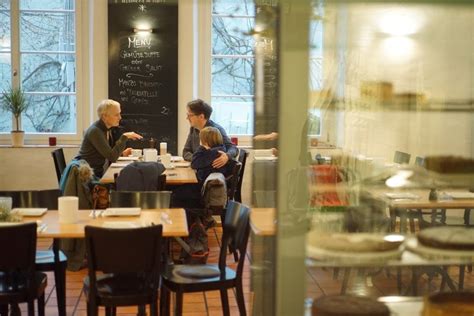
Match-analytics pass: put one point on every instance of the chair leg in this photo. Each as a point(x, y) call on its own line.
point(154, 307)
point(164, 301)
point(92, 309)
point(399, 280)
point(41, 305)
point(31, 308)
point(345, 280)
point(15, 310)
point(178, 309)
point(60, 279)
point(462, 268)
point(239, 295)
point(141, 310)
point(225, 302)
point(4, 310)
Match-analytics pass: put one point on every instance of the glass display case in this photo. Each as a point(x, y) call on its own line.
point(368, 107)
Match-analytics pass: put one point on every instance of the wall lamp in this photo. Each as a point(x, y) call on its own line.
point(142, 31)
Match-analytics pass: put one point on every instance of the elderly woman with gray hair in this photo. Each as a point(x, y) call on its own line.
point(98, 144)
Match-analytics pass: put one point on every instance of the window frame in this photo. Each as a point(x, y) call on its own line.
point(35, 138)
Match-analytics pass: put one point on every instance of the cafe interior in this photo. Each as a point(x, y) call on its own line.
point(352, 187)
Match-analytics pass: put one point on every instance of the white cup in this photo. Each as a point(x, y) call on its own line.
point(150, 154)
point(163, 149)
point(68, 209)
point(166, 160)
point(6, 202)
point(136, 152)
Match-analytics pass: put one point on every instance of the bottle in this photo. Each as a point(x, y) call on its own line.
point(152, 143)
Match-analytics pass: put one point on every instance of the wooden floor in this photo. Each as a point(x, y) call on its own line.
point(371, 282)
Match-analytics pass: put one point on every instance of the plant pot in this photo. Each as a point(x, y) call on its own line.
point(18, 138)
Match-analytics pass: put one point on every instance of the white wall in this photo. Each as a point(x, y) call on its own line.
point(433, 57)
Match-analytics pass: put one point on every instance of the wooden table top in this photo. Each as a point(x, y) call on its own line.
point(178, 226)
point(422, 202)
point(262, 221)
point(176, 176)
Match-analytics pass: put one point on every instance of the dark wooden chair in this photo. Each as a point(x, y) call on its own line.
point(19, 280)
point(210, 277)
point(59, 162)
point(243, 155)
point(143, 199)
point(46, 260)
point(129, 266)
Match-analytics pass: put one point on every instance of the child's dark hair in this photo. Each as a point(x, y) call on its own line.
point(211, 136)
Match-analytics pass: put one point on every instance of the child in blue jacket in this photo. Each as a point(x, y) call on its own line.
point(189, 195)
point(211, 144)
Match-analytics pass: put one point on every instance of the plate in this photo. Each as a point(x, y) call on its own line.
point(272, 158)
point(30, 211)
point(129, 158)
point(176, 158)
point(183, 164)
point(122, 211)
point(121, 225)
point(402, 195)
point(460, 195)
point(354, 257)
point(413, 245)
point(119, 164)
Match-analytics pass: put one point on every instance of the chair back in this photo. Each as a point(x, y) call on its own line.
point(420, 161)
point(233, 179)
point(124, 251)
point(59, 162)
point(18, 246)
point(34, 198)
point(401, 157)
point(143, 199)
point(236, 231)
point(243, 154)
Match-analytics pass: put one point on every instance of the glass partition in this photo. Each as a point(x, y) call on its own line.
point(368, 107)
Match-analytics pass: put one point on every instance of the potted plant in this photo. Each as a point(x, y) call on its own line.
point(14, 101)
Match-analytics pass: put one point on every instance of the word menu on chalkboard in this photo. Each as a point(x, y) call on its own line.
point(143, 68)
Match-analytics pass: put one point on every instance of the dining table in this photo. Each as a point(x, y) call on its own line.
point(173, 220)
point(179, 173)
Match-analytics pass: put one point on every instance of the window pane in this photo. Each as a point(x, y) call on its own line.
point(48, 73)
point(232, 76)
point(50, 114)
point(5, 61)
point(47, 31)
point(229, 36)
point(4, 4)
point(234, 114)
point(242, 7)
point(47, 5)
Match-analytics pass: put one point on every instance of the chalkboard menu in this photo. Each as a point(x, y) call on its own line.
point(143, 68)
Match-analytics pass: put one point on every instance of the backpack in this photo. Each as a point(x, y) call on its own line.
point(214, 195)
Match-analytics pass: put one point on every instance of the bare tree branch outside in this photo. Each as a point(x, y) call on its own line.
point(47, 65)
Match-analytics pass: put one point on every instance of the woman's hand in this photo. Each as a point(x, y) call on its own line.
point(133, 135)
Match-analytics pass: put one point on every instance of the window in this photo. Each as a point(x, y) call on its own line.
point(45, 62)
point(316, 72)
point(232, 87)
